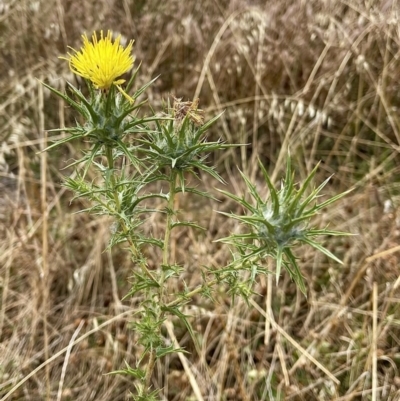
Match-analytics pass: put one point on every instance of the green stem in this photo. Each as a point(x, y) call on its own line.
point(135, 252)
point(192, 293)
point(200, 288)
point(110, 161)
point(165, 263)
point(168, 229)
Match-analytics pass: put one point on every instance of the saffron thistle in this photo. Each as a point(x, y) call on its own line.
point(102, 61)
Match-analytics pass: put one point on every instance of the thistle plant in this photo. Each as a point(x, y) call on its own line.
point(279, 223)
point(132, 153)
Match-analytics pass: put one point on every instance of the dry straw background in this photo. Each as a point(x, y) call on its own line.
point(319, 76)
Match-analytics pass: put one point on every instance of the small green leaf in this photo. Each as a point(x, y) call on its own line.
point(208, 170)
point(175, 311)
point(136, 373)
point(241, 201)
point(296, 200)
point(322, 249)
point(272, 191)
point(252, 189)
point(333, 199)
point(187, 224)
point(295, 273)
point(162, 351)
point(207, 125)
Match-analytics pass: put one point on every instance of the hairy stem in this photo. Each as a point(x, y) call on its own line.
point(134, 251)
point(110, 161)
point(165, 263)
point(168, 229)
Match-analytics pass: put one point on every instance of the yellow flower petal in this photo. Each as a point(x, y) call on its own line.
point(101, 61)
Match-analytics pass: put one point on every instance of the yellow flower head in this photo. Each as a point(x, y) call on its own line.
point(102, 61)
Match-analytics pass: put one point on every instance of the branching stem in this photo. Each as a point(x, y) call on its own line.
point(135, 252)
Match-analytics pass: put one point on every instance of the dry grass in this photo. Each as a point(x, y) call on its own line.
point(319, 77)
